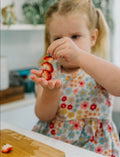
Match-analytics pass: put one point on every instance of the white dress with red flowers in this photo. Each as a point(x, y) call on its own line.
point(84, 116)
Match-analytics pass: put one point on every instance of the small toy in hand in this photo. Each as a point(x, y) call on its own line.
point(6, 148)
point(47, 68)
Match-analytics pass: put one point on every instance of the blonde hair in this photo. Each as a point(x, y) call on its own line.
point(95, 20)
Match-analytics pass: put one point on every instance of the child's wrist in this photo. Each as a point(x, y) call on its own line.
point(79, 59)
point(82, 57)
point(52, 92)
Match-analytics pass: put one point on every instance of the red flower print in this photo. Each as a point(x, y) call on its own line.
point(53, 132)
point(75, 90)
point(108, 103)
point(112, 155)
point(76, 126)
point(82, 83)
point(51, 125)
point(63, 105)
point(109, 128)
point(70, 107)
point(92, 139)
point(101, 125)
point(99, 149)
point(93, 107)
point(64, 98)
point(84, 105)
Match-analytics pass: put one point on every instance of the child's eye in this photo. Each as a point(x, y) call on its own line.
point(75, 36)
point(57, 38)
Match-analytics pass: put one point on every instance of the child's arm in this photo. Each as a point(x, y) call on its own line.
point(105, 73)
point(48, 93)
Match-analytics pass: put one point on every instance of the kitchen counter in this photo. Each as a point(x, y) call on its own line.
point(70, 150)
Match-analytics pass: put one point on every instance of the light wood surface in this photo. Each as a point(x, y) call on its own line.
point(24, 146)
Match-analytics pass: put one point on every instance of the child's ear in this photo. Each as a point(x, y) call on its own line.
point(94, 35)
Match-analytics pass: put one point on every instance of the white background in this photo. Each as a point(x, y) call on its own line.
point(116, 54)
point(22, 48)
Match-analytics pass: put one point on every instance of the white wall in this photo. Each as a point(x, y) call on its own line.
point(116, 55)
point(22, 48)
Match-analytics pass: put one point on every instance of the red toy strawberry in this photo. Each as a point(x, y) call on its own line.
point(47, 66)
point(6, 148)
point(46, 74)
point(48, 59)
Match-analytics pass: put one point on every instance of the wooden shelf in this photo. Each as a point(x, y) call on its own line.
point(22, 27)
point(28, 100)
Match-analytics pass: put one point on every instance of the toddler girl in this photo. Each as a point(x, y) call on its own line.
point(76, 106)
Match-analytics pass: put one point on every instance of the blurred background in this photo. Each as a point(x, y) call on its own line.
point(22, 44)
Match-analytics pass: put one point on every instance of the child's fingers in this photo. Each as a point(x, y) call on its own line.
point(58, 83)
point(43, 82)
point(58, 50)
point(40, 81)
point(54, 84)
point(32, 77)
point(54, 45)
point(60, 54)
point(51, 84)
point(36, 72)
point(35, 79)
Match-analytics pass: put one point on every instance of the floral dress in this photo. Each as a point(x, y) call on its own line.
point(84, 116)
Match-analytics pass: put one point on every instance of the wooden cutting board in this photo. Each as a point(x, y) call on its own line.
point(24, 146)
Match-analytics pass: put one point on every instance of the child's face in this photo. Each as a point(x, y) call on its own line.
point(74, 27)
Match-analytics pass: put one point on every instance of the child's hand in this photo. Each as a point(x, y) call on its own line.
point(65, 48)
point(48, 84)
